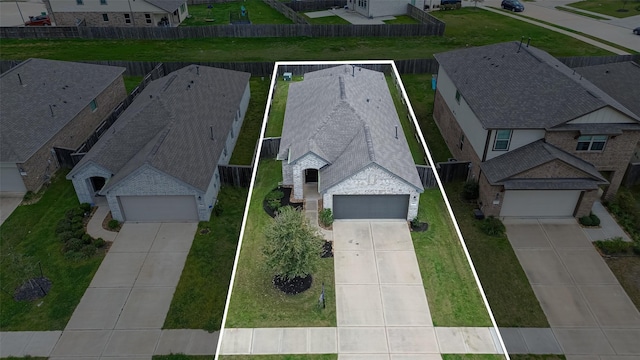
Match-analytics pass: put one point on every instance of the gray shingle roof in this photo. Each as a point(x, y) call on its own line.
point(500, 169)
point(350, 121)
point(168, 127)
point(61, 87)
point(551, 184)
point(620, 80)
point(167, 5)
point(530, 89)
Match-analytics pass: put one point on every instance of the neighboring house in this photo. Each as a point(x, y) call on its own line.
point(159, 161)
point(118, 13)
point(378, 8)
point(50, 106)
point(341, 131)
point(541, 138)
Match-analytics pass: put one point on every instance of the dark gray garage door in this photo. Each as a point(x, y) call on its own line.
point(370, 206)
point(159, 208)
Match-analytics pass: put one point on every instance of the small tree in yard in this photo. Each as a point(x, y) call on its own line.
point(293, 247)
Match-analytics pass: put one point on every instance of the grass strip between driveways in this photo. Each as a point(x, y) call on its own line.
point(252, 124)
point(255, 302)
point(504, 282)
point(30, 231)
point(453, 296)
point(581, 13)
point(609, 7)
point(200, 296)
point(465, 27)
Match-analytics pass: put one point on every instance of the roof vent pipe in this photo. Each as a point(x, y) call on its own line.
point(396, 131)
point(211, 131)
point(528, 41)
point(520, 45)
point(51, 109)
point(20, 79)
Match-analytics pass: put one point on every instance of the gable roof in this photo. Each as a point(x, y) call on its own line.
point(167, 5)
point(347, 118)
point(509, 86)
point(169, 126)
point(37, 88)
point(501, 169)
point(620, 80)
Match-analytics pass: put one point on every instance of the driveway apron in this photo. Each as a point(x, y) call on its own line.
point(588, 310)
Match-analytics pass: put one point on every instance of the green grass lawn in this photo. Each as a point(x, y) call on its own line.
point(407, 126)
point(259, 13)
point(609, 7)
point(418, 88)
point(130, 82)
point(326, 20)
point(402, 19)
point(199, 300)
point(250, 132)
point(278, 107)
point(30, 231)
point(465, 27)
point(505, 284)
point(255, 302)
point(280, 357)
point(454, 298)
point(581, 13)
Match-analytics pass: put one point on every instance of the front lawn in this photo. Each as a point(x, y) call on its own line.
point(609, 7)
point(252, 124)
point(30, 233)
point(200, 296)
point(505, 284)
point(454, 298)
point(255, 302)
point(259, 13)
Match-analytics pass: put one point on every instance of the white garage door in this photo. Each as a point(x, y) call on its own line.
point(158, 208)
point(539, 203)
point(10, 179)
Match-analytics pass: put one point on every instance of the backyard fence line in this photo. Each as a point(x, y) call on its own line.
point(632, 176)
point(427, 176)
point(235, 175)
point(288, 12)
point(270, 147)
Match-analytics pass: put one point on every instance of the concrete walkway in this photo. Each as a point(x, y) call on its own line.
point(608, 229)
point(589, 312)
point(94, 227)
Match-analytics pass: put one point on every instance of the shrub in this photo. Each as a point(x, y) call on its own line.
point(492, 226)
point(65, 235)
point(63, 225)
point(74, 255)
point(292, 247)
point(29, 196)
point(326, 217)
point(613, 246)
point(595, 220)
point(113, 224)
point(470, 190)
point(586, 221)
point(85, 207)
point(78, 233)
point(88, 251)
point(73, 244)
point(77, 220)
point(86, 238)
point(415, 222)
point(99, 243)
point(274, 195)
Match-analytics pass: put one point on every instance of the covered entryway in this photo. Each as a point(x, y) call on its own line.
point(159, 208)
point(370, 206)
point(97, 183)
point(539, 203)
point(10, 179)
point(311, 175)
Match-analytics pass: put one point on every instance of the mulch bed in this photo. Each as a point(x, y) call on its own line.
point(33, 289)
point(285, 201)
point(420, 227)
point(293, 286)
point(105, 223)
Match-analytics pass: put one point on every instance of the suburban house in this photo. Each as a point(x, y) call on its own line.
point(378, 8)
point(159, 161)
point(543, 141)
point(50, 107)
point(342, 134)
point(120, 13)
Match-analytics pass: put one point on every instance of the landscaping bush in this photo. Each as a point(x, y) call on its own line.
point(492, 226)
point(72, 245)
point(470, 190)
point(113, 224)
point(85, 207)
point(586, 221)
point(595, 220)
point(274, 204)
point(613, 246)
point(87, 239)
point(99, 243)
point(326, 217)
point(292, 246)
point(63, 225)
point(65, 235)
point(88, 251)
point(275, 195)
point(77, 220)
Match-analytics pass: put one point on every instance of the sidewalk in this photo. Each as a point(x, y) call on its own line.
point(94, 227)
point(609, 228)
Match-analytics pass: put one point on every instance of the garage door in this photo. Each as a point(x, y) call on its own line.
point(158, 208)
point(370, 206)
point(539, 203)
point(10, 179)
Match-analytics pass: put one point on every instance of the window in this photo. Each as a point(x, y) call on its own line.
point(127, 18)
point(79, 2)
point(105, 17)
point(458, 96)
point(503, 138)
point(591, 143)
point(148, 18)
point(461, 141)
point(103, 2)
point(93, 104)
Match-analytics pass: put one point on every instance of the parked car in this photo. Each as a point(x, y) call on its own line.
point(637, 30)
point(513, 5)
point(40, 20)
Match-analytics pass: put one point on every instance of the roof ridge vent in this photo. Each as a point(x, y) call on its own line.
point(163, 136)
point(367, 136)
point(343, 92)
point(169, 81)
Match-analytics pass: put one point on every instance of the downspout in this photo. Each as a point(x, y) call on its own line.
point(486, 146)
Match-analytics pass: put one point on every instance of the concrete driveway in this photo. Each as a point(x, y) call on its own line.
point(8, 203)
point(122, 312)
point(588, 310)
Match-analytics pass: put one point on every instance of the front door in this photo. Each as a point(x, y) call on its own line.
point(310, 175)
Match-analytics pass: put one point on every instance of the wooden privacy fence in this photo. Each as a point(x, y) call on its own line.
point(448, 172)
point(427, 176)
point(270, 147)
point(288, 12)
point(632, 176)
point(235, 175)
